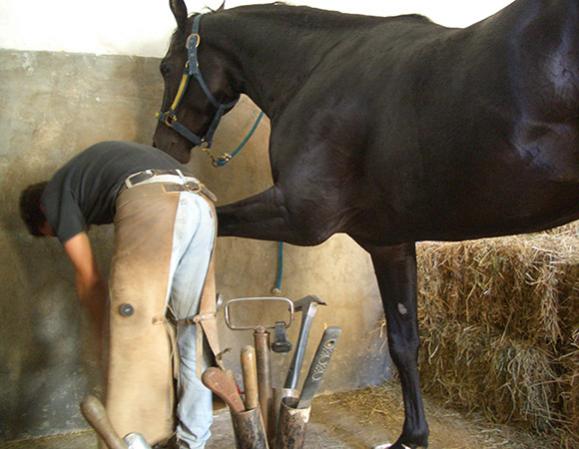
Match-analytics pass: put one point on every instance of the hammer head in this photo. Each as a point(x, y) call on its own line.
point(135, 440)
point(305, 303)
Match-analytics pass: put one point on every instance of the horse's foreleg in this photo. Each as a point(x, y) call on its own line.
point(395, 269)
point(262, 216)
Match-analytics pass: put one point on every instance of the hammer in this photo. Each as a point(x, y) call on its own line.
point(308, 306)
point(94, 412)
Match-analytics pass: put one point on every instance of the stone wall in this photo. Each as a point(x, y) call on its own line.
point(55, 105)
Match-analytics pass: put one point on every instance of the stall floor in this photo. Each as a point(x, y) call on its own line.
point(339, 422)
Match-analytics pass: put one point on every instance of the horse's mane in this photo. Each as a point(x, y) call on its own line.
point(314, 17)
point(306, 16)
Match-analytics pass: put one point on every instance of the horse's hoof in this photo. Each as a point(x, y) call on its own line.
point(387, 445)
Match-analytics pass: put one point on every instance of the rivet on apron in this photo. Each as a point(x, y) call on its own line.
point(126, 309)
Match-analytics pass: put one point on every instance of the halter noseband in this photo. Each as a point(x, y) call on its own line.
point(169, 117)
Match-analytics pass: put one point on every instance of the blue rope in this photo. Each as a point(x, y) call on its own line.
point(224, 160)
point(279, 276)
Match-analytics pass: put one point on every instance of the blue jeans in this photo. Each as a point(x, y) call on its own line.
point(193, 236)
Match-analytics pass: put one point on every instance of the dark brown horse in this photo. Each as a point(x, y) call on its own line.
point(392, 130)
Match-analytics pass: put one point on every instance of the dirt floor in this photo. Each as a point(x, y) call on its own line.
point(356, 420)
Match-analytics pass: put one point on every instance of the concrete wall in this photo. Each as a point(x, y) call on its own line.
point(56, 104)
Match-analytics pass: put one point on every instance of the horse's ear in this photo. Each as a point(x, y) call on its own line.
point(179, 10)
point(222, 7)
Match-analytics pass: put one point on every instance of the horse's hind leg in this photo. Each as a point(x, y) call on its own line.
point(395, 268)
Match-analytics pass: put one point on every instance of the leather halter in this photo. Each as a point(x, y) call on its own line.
point(169, 117)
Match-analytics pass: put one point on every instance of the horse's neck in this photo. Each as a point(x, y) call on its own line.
point(269, 58)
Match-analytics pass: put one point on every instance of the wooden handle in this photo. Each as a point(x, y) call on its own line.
point(229, 373)
point(223, 386)
point(249, 369)
point(94, 412)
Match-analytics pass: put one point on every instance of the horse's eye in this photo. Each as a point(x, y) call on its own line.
point(165, 69)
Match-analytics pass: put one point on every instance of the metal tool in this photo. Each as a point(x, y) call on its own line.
point(136, 441)
point(261, 342)
point(308, 306)
point(249, 370)
point(94, 412)
point(292, 426)
point(294, 413)
point(319, 366)
point(249, 430)
point(242, 301)
point(281, 344)
point(220, 383)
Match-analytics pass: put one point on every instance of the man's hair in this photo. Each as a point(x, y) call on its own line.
point(30, 209)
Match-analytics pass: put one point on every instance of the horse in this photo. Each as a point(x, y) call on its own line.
point(393, 130)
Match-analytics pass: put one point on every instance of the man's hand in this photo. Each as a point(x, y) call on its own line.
point(91, 288)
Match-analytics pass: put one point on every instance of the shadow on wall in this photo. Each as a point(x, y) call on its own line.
point(55, 105)
point(43, 370)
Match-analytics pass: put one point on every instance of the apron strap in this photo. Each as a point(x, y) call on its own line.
point(206, 317)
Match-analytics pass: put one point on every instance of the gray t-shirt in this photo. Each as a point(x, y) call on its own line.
point(83, 192)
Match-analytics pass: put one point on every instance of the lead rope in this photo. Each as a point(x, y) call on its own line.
point(222, 161)
point(276, 290)
point(225, 158)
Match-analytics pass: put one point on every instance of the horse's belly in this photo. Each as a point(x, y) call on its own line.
point(498, 189)
point(530, 186)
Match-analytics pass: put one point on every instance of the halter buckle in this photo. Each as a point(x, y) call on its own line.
point(197, 37)
point(169, 118)
point(192, 187)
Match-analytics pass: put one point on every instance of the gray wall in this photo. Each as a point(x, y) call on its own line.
point(53, 106)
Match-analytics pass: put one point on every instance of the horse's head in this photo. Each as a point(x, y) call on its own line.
point(197, 92)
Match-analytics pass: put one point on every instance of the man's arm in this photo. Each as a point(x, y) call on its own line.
point(91, 288)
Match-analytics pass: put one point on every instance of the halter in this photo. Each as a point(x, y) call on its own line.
point(169, 117)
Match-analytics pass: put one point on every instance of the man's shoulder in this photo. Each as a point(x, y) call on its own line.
point(122, 148)
point(120, 145)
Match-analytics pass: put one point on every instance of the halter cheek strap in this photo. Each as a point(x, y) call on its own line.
point(192, 70)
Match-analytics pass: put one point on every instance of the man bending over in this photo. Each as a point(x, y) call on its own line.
point(165, 227)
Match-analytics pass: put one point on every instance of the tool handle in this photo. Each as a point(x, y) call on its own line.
point(319, 366)
point(262, 359)
point(94, 412)
point(223, 386)
point(249, 369)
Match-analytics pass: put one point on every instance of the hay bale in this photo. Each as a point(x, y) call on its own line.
point(499, 320)
point(569, 382)
point(508, 380)
point(527, 287)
